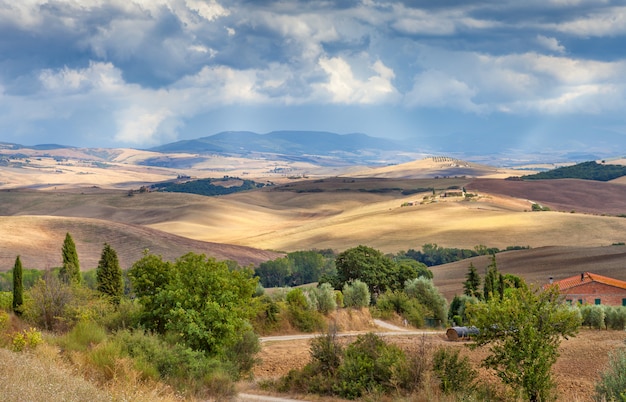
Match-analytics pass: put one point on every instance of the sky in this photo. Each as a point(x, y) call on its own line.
point(481, 75)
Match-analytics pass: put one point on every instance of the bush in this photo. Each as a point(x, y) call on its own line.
point(356, 294)
point(592, 315)
point(324, 298)
point(612, 383)
point(84, 335)
point(615, 317)
point(301, 315)
point(456, 374)
point(370, 365)
point(242, 354)
point(6, 301)
point(429, 296)
point(399, 302)
point(28, 338)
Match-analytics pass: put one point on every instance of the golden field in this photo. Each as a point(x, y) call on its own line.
point(390, 208)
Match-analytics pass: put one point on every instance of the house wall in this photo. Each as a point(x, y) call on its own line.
point(589, 292)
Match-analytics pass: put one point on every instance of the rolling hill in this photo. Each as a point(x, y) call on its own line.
point(38, 241)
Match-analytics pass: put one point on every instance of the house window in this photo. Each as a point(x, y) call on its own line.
point(580, 301)
point(623, 302)
point(597, 301)
point(569, 302)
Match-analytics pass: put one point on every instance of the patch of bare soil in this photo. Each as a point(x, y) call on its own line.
point(587, 196)
point(576, 371)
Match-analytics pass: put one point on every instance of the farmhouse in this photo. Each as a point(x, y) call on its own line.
point(590, 288)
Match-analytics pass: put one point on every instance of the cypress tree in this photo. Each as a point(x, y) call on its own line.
point(109, 274)
point(493, 286)
point(70, 271)
point(18, 287)
point(472, 284)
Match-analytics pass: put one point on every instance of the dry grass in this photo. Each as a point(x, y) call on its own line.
point(26, 377)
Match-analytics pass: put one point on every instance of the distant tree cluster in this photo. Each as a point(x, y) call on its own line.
point(432, 254)
point(206, 186)
point(585, 170)
point(297, 268)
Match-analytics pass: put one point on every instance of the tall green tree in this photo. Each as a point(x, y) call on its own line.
point(471, 285)
point(492, 284)
point(149, 276)
point(18, 287)
point(369, 266)
point(70, 270)
point(523, 331)
point(109, 274)
point(199, 300)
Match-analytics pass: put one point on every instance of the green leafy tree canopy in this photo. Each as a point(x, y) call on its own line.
point(523, 331)
point(197, 299)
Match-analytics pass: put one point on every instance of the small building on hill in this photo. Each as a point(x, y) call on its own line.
point(590, 288)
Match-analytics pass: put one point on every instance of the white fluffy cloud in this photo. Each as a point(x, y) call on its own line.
point(344, 87)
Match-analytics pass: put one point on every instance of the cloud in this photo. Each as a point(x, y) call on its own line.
point(551, 44)
point(606, 21)
point(344, 87)
point(144, 69)
point(435, 89)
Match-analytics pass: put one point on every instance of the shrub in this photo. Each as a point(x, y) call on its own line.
point(242, 353)
point(429, 296)
point(28, 338)
point(399, 302)
point(370, 365)
point(615, 317)
point(456, 374)
point(6, 300)
point(592, 315)
point(356, 294)
point(84, 335)
point(301, 315)
point(324, 298)
point(326, 352)
point(612, 383)
point(4, 320)
point(49, 299)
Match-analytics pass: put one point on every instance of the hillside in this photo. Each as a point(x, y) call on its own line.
point(586, 171)
point(566, 195)
point(537, 265)
point(38, 241)
point(433, 167)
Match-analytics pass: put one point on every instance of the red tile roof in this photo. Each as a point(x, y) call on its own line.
point(588, 277)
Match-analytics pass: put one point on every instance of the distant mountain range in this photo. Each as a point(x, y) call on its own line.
point(331, 149)
point(299, 144)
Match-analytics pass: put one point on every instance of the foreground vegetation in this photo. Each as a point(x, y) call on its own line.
point(189, 328)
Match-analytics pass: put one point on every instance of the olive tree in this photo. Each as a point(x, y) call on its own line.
point(523, 331)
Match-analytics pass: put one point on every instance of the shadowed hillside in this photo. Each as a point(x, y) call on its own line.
point(567, 195)
point(38, 241)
